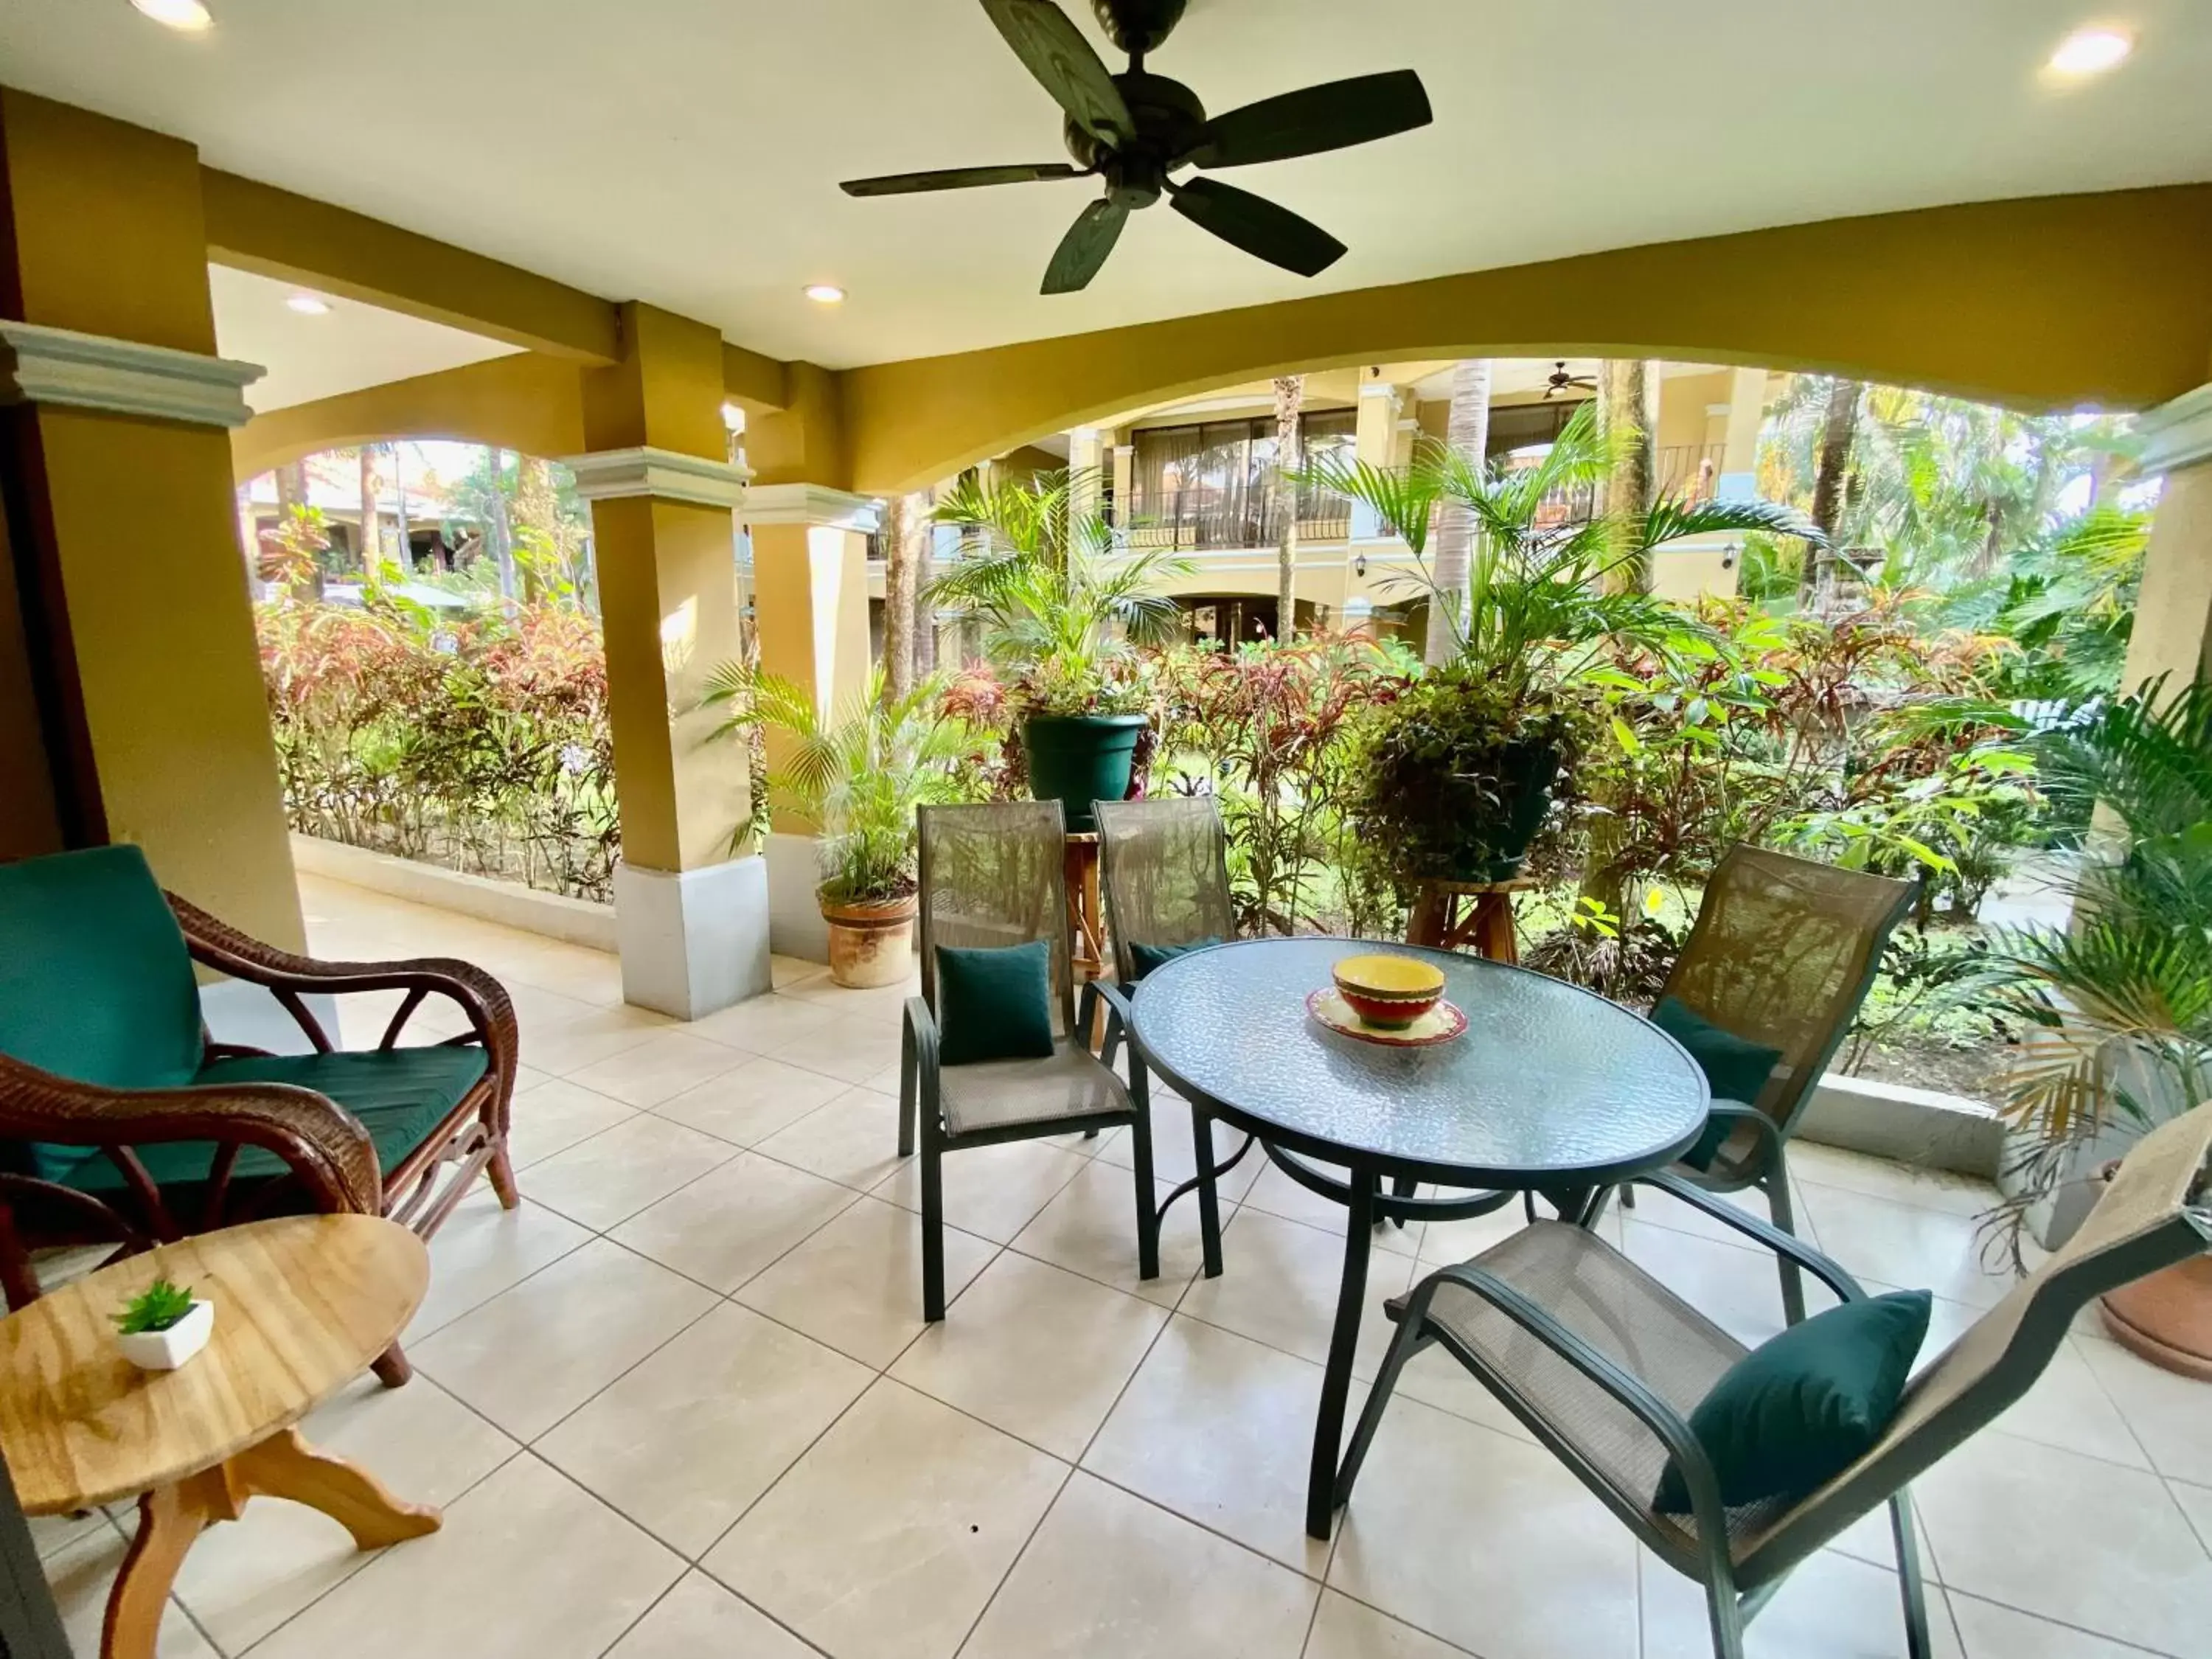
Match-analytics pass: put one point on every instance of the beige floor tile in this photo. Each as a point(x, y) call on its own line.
point(856, 1284)
point(2070, 1538)
point(1665, 1210)
point(243, 1580)
point(1109, 1576)
point(483, 1249)
point(1033, 1350)
point(1444, 1244)
point(364, 1016)
point(2069, 1407)
point(700, 1619)
point(685, 1443)
point(531, 1355)
point(1279, 1284)
point(733, 1221)
point(2197, 1503)
point(1812, 1164)
point(528, 1565)
point(1486, 1541)
point(1832, 1607)
point(1990, 1631)
point(762, 1024)
point(750, 1100)
point(610, 1177)
point(1174, 1156)
point(82, 1571)
point(852, 1140)
point(1343, 1629)
point(557, 1114)
point(659, 1068)
point(887, 1538)
point(992, 1192)
point(1905, 1244)
point(1435, 1378)
point(1091, 1228)
point(1740, 1291)
point(1277, 1194)
point(564, 1035)
point(790, 973)
point(854, 1046)
point(2171, 1414)
point(1219, 1429)
point(50, 1533)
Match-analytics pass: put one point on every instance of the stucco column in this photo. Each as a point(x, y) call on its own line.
point(692, 920)
point(133, 702)
point(1739, 474)
point(1086, 471)
point(2174, 613)
point(1374, 441)
point(811, 607)
point(1125, 483)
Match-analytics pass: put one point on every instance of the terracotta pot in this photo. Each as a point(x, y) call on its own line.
point(2167, 1317)
point(870, 945)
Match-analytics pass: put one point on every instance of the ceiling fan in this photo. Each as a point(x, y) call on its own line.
point(1559, 381)
point(1135, 130)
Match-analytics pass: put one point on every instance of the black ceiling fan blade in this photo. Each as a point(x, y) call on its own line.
point(1055, 51)
point(907, 184)
point(1084, 248)
point(1258, 226)
point(1330, 116)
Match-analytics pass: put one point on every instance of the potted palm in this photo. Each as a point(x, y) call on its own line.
point(856, 776)
point(2118, 1004)
point(1065, 608)
point(1462, 769)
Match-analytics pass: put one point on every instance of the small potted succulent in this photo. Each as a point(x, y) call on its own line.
point(163, 1325)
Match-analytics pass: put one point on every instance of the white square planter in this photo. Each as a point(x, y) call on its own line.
point(164, 1351)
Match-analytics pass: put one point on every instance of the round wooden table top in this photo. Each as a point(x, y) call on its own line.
point(302, 1304)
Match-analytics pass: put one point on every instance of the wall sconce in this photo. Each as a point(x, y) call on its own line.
point(1728, 555)
point(1359, 566)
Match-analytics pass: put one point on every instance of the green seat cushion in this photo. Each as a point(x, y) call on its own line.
point(1802, 1407)
point(96, 982)
point(994, 1002)
point(1149, 957)
point(400, 1095)
point(1737, 1069)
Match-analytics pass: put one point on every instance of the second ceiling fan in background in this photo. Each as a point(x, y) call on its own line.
point(1135, 130)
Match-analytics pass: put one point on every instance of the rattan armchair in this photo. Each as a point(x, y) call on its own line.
point(1163, 864)
point(1604, 1365)
point(1783, 953)
point(992, 875)
point(122, 1123)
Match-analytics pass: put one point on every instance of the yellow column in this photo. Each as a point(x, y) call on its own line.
point(692, 920)
point(2173, 613)
point(124, 530)
point(1086, 471)
point(811, 608)
point(1124, 482)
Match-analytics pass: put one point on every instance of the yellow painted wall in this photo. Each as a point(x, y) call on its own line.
point(806, 442)
point(1683, 400)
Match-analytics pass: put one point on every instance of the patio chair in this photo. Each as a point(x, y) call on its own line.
point(1605, 1364)
point(1164, 866)
point(993, 876)
point(1782, 955)
point(121, 1122)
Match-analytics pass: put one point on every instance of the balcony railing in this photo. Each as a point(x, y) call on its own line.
point(1233, 519)
point(1690, 471)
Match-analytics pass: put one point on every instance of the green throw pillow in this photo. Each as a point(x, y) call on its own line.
point(1737, 1069)
point(994, 1003)
point(1149, 957)
point(1802, 1407)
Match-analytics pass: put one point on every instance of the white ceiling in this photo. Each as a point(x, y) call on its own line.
point(687, 152)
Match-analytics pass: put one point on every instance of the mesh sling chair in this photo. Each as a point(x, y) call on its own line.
point(1164, 865)
point(1782, 954)
point(121, 1123)
point(995, 875)
point(1604, 1365)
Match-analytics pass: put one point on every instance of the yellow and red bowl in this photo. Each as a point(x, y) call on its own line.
point(1389, 992)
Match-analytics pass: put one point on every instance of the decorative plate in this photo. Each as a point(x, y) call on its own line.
point(1440, 1025)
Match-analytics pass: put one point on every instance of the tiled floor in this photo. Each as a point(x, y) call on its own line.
point(682, 1403)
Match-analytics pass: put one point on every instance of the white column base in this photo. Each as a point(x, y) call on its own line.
point(693, 940)
point(794, 919)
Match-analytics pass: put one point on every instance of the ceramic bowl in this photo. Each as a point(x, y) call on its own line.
point(1387, 992)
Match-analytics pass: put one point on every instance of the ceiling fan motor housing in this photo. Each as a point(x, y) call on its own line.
point(1138, 26)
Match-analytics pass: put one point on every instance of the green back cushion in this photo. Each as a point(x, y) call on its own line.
point(95, 983)
point(1149, 957)
point(1802, 1407)
point(1737, 1069)
point(994, 1003)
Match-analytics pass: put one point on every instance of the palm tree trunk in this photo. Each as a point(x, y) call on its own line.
point(898, 599)
point(406, 532)
point(499, 533)
point(371, 540)
point(1838, 429)
point(1628, 398)
point(1467, 431)
point(1289, 398)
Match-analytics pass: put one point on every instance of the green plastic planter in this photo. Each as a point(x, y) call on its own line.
point(1077, 759)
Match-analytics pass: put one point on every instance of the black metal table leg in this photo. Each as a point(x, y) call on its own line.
point(1344, 1339)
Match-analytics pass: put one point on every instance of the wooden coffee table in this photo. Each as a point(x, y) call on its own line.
point(301, 1306)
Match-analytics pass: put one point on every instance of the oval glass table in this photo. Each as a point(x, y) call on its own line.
point(1552, 1090)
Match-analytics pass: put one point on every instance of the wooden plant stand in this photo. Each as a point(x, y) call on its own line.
point(1486, 924)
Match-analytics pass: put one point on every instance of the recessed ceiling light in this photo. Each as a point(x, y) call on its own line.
point(190, 16)
point(824, 294)
point(2091, 51)
point(309, 305)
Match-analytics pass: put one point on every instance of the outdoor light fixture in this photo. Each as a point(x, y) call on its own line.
point(824, 294)
point(733, 417)
point(187, 17)
point(308, 305)
point(2090, 51)
point(1359, 564)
